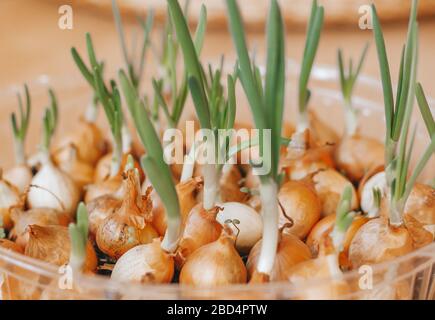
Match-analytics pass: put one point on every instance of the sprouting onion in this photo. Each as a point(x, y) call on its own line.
point(398, 116)
point(20, 129)
point(214, 111)
point(78, 233)
point(347, 84)
point(158, 171)
point(343, 219)
point(315, 25)
point(109, 98)
point(267, 105)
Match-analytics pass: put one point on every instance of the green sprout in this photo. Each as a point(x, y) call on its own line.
point(78, 233)
point(344, 218)
point(347, 84)
point(20, 128)
point(50, 122)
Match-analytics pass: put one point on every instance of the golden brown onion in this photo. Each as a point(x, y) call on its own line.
point(88, 140)
point(146, 263)
point(9, 198)
point(215, 264)
point(103, 188)
point(291, 251)
point(52, 244)
point(421, 206)
point(101, 208)
point(301, 204)
point(329, 185)
point(356, 155)
point(40, 216)
point(230, 183)
point(201, 228)
point(130, 225)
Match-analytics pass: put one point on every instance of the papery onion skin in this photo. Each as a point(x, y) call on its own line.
point(301, 203)
point(9, 198)
point(130, 225)
point(39, 216)
point(146, 263)
point(53, 188)
point(103, 188)
point(52, 244)
point(10, 245)
point(321, 268)
point(356, 155)
point(249, 230)
point(99, 209)
point(82, 173)
point(329, 185)
point(103, 168)
point(215, 264)
point(376, 241)
point(321, 133)
point(201, 228)
point(291, 251)
point(88, 140)
point(229, 185)
point(324, 227)
point(20, 176)
point(421, 206)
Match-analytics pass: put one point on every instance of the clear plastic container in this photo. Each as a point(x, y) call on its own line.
point(408, 277)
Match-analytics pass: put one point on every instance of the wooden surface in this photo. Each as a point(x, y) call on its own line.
point(32, 44)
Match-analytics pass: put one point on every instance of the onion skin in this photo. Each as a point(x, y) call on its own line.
point(52, 244)
point(40, 216)
point(421, 206)
point(321, 133)
point(250, 227)
point(187, 194)
point(301, 203)
point(376, 241)
point(103, 188)
point(215, 264)
point(230, 185)
point(130, 225)
point(201, 228)
point(322, 268)
point(329, 185)
point(87, 138)
point(324, 227)
point(310, 161)
point(357, 155)
point(291, 251)
point(51, 180)
point(9, 198)
point(102, 170)
point(146, 263)
point(99, 209)
point(10, 245)
point(20, 176)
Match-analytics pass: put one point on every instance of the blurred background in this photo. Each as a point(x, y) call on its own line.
point(33, 46)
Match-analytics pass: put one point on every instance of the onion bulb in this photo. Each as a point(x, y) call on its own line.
point(52, 244)
point(376, 241)
point(229, 189)
point(82, 173)
point(300, 203)
point(356, 155)
point(321, 133)
point(20, 176)
point(322, 268)
point(146, 263)
point(187, 194)
point(421, 206)
point(291, 251)
point(215, 264)
point(53, 188)
point(130, 225)
point(102, 188)
point(87, 138)
point(329, 185)
point(9, 198)
point(10, 245)
point(249, 224)
point(101, 208)
point(39, 216)
point(103, 168)
point(201, 228)
point(324, 227)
